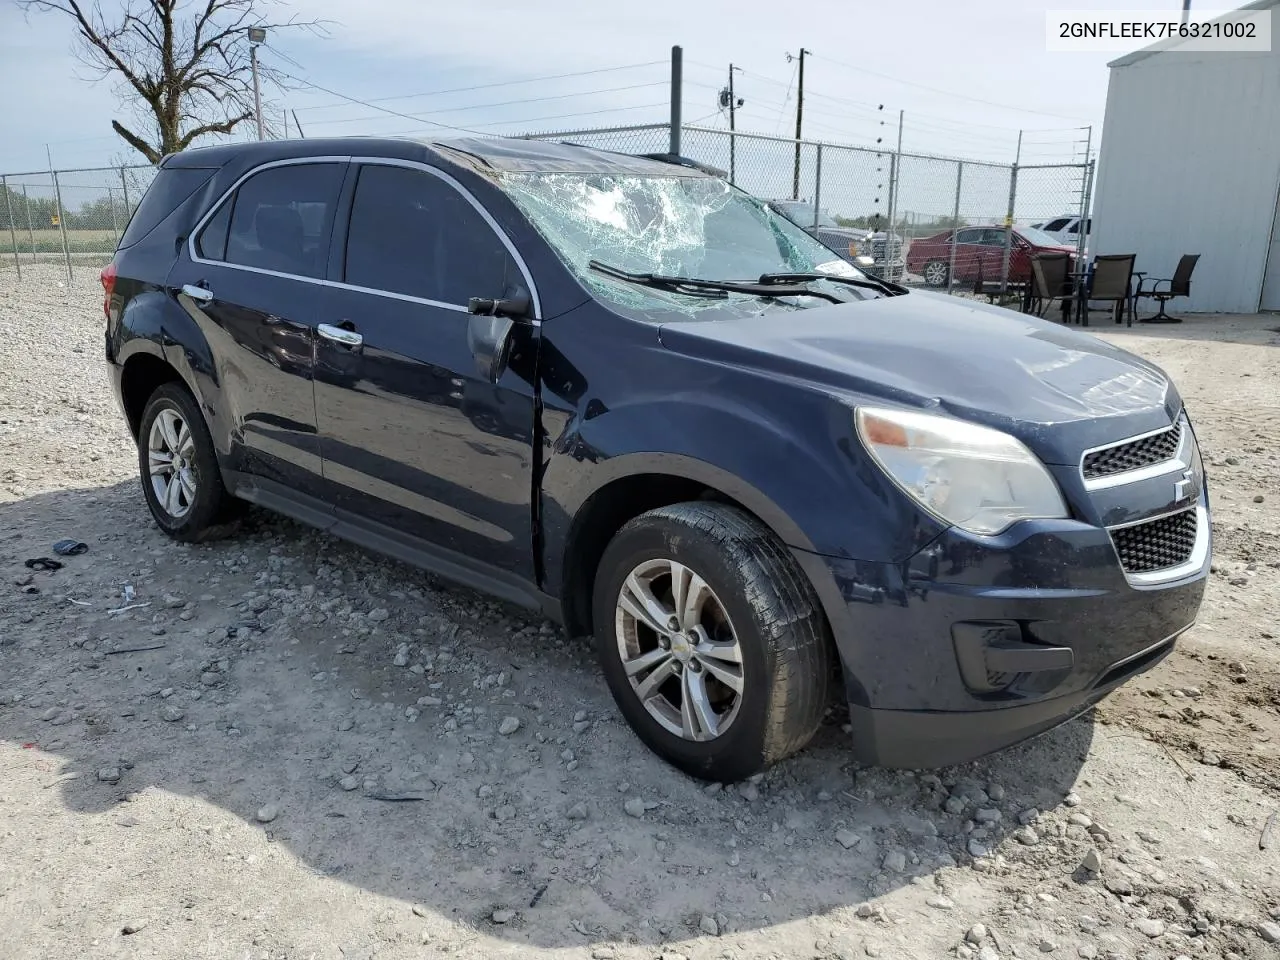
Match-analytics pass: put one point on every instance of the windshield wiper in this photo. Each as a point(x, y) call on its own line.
point(718, 289)
point(888, 288)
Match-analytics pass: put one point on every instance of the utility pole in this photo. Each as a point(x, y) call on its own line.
point(257, 35)
point(728, 99)
point(1186, 10)
point(795, 183)
point(677, 97)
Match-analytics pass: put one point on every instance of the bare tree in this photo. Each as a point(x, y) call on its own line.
point(185, 65)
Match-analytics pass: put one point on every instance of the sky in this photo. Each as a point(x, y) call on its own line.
point(966, 76)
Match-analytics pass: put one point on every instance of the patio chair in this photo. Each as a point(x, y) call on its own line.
point(1048, 281)
point(1179, 286)
point(1112, 281)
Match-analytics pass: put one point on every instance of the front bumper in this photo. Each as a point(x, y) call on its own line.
point(977, 643)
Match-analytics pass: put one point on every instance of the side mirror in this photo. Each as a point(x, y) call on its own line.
point(490, 328)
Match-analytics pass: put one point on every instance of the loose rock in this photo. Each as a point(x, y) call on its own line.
point(508, 726)
point(847, 839)
point(709, 926)
point(503, 916)
point(267, 813)
point(1092, 861)
point(976, 934)
point(133, 926)
point(634, 807)
point(895, 861)
point(1151, 927)
point(577, 812)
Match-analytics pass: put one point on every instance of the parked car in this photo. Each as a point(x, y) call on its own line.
point(850, 243)
point(625, 394)
point(1066, 229)
point(979, 254)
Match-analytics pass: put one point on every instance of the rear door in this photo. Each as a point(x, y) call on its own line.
point(969, 254)
point(416, 443)
point(252, 278)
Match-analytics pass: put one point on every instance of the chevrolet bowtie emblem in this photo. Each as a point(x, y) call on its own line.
point(1183, 488)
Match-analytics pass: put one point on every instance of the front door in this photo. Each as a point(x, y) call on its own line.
point(253, 283)
point(416, 443)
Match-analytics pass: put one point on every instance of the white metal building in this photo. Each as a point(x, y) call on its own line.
point(1190, 163)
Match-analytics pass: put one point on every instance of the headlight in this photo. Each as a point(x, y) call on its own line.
point(973, 477)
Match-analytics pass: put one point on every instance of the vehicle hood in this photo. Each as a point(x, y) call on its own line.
point(1057, 390)
point(853, 233)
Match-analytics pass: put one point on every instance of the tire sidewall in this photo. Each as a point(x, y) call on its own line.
point(171, 396)
point(740, 750)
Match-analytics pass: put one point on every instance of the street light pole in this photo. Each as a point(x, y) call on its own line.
point(257, 35)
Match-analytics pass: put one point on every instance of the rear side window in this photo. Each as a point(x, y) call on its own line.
point(413, 234)
point(170, 188)
point(969, 236)
point(1057, 224)
point(212, 242)
point(278, 220)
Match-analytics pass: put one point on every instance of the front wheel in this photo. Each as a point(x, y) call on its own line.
point(712, 640)
point(935, 273)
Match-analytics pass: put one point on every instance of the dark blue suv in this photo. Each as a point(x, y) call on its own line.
point(624, 393)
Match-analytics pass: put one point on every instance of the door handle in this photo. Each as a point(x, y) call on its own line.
point(198, 294)
point(348, 338)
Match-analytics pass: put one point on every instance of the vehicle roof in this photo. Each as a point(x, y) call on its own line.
point(497, 154)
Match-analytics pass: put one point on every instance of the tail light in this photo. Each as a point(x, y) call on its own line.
point(108, 278)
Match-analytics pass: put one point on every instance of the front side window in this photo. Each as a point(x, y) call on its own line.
point(681, 226)
point(278, 220)
point(412, 233)
point(1056, 224)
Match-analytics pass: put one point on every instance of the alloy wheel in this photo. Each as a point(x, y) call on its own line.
point(679, 650)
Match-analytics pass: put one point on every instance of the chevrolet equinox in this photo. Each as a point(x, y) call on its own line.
point(623, 392)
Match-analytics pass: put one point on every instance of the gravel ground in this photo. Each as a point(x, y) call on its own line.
point(288, 748)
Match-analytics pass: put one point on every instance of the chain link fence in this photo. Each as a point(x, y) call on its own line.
point(929, 221)
point(71, 216)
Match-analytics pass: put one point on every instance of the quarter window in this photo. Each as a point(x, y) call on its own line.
point(413, 234)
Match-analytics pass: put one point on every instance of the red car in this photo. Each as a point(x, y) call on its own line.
point(979, 254)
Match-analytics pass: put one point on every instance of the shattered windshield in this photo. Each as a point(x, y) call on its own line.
point(673, 225)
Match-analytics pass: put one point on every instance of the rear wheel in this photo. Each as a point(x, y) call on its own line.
point(711, 639)
point(935, 273)
point(179, 466)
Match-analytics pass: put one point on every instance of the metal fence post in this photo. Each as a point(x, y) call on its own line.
point(13, 235)
point(1008, 228)
point(31, 231)
point(62, 222)
point(124, 186)
point(115, 227)
point(955, 226)
point(817, 187)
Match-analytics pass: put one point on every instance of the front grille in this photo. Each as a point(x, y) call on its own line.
point(1157, 544)
point(1134, 454)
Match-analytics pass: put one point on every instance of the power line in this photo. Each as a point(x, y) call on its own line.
point(506, 103)
point(947, 93)
point(525, 120)
point(485, 86)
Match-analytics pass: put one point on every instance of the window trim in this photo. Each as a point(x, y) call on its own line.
point(320, 281)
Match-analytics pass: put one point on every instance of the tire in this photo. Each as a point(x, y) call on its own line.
point(755, 597)
point(203, 509)
point(935, 273)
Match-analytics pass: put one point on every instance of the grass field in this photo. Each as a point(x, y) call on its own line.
point(50, 241)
